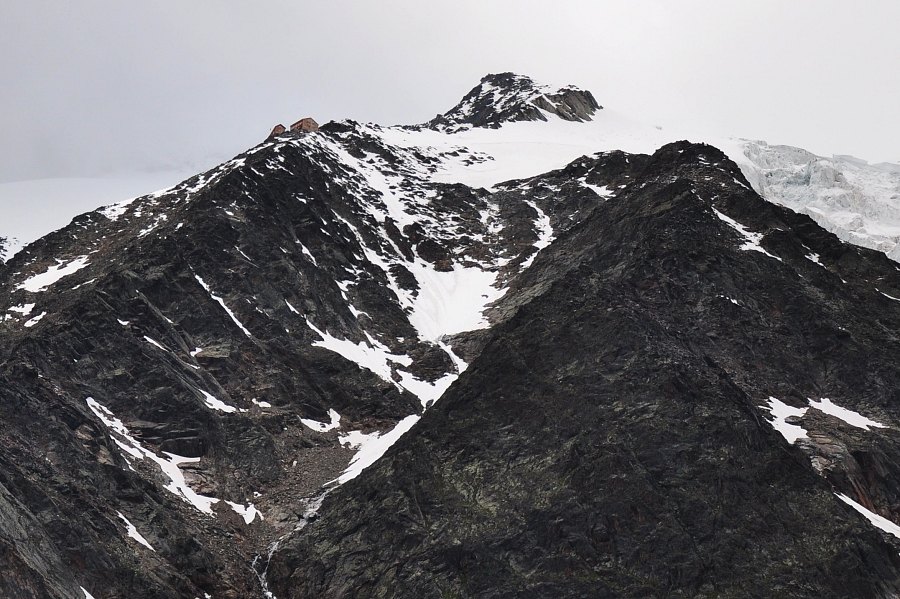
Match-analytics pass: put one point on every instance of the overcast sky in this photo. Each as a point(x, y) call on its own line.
point(99, 87)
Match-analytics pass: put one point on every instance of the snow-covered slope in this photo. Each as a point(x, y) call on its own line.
point(857, 201)
point(509, 127)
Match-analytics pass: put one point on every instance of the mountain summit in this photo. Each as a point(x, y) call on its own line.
point(507, 97)
point(523, 351)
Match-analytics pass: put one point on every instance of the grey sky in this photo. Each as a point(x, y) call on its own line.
point(101, 86)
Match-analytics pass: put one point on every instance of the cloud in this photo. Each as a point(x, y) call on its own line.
point(101, 86)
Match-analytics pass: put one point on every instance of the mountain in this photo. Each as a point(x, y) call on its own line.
point(529, 348)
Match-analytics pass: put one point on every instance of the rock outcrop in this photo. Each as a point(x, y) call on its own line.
point(507, 97)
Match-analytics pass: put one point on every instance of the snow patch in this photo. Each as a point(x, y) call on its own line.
point(849, 416)
point(370, 447)
point(114, 211)
point(35, 320)
point(451, 302)
point(214, 403)
point(24, 309)
point(323, 427)
point(248, 512)
point(780, 413)
point(814, 257)
point(41, 281)
point(375, 356)
point(601, 190)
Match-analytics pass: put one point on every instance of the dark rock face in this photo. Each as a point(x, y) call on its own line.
point(163, 364)
point(196, 317)
point(627, 468)
point(507, 97)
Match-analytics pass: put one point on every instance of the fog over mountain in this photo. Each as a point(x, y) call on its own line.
point(102, 88)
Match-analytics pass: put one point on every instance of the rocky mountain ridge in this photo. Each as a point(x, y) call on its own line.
point(625, 469)
point(208, 374)
point(507, 97)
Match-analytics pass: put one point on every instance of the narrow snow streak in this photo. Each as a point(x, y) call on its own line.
point(753, 239)
point(876, 520)
point(168, 465)
point(545, 233)
point(222, 303)
point(154, 342)
point(133, 532)
point(896, 299)
point(308, 254)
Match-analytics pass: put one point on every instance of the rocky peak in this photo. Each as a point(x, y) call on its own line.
point(508, 97)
